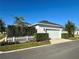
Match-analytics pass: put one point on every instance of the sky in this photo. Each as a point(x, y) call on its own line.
point(33, 11)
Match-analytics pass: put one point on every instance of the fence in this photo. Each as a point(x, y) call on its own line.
point(20, 39)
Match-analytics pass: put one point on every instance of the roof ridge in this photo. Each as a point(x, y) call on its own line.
point(45, 21)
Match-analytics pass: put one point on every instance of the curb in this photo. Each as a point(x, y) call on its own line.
point(1, 52)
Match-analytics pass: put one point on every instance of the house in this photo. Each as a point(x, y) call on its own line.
point(54, 30)
point(77, 31)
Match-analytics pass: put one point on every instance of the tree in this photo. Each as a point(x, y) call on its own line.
point(19, 21)
point(70, 28)
point(20, 28)
point(11, 30)
point(2, 26)
point(31, 30)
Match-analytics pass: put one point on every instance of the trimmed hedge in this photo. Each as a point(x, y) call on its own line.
point(65, 35)
point(41, 36)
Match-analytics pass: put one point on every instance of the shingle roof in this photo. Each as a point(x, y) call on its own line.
point(48, 24)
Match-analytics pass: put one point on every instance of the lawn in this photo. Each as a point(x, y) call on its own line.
point(2, 36)
point(74, 38)
point(22, 45)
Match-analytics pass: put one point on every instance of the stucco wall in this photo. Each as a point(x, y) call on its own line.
point(55, 33)
point(76, 33)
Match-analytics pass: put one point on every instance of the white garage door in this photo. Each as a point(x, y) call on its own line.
point(54, 34)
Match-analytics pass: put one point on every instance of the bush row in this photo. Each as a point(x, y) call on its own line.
point(41, 36)
point(66, 35)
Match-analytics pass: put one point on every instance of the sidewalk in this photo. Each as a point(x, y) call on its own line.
point(56, 41)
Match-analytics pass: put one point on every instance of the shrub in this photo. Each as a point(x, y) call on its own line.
point(11, 30)
point(30, 30)
point(65, 35)
point(8, 43)
point(41, 36)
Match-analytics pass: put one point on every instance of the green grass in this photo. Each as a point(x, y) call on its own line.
point(76, 35)
point(2, 36)
point(74, 38)
point(22, 45)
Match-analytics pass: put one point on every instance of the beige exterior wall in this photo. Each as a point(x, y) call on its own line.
point(54, 33)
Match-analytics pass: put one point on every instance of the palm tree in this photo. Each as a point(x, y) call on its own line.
point(19, 21)
point(20, 24)
point(70, 28)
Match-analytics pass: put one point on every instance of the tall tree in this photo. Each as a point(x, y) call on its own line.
point(19, 21)
point(11, 30)
point(2, 26)
point(70, 28)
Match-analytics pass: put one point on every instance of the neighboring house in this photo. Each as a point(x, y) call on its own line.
point(54, 30)
point(77, 31)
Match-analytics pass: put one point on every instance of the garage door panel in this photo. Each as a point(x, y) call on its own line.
point(53, 33)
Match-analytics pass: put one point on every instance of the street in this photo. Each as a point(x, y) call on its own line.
point(68, 50)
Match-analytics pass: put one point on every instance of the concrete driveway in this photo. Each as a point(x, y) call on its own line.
point(68, 50)
point(57, 41)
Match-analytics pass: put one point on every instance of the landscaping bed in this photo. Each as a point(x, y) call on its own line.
point(23, 45)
